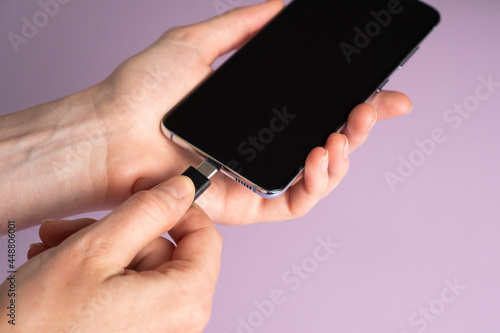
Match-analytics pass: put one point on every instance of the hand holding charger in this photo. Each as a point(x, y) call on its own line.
point(293, 84)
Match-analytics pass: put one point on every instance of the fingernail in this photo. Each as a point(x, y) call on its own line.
point(179, 187)
point(324, 162)
point(346, 148)
point(36, 245)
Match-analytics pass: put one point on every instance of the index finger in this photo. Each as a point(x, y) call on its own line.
point(199, 246)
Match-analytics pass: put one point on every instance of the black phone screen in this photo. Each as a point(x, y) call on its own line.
point(285, 91)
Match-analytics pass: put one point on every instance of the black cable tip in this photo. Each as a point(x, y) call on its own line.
point(201, 176)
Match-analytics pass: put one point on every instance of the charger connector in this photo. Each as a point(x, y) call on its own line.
point(201, 176)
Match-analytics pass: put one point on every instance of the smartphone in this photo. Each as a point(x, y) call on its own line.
point(293, 84)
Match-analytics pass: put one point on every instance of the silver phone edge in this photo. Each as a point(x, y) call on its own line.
point(265, 193)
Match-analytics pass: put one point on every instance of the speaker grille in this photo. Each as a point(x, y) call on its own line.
point(244, 184)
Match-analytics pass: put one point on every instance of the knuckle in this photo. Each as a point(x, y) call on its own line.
point(85, 252)
point(300, 211)
point(216, 237)
point(200, 313)
point(186, 34)
point(189, 41)
point(202, 316)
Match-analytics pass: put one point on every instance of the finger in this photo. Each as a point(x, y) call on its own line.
point(306, 192)
point(118, 237)
point(339, 163)
point(219, 35)
point(199, 246)
point(53, 232)
point(390, 104)
point(36, 249)
point(316, 182)
point(361, 120)
point(154, 254)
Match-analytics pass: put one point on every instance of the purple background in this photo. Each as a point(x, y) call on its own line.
point(397, 248)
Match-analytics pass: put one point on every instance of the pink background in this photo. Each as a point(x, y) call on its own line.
point(398, 251)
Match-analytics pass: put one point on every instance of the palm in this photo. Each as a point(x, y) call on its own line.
point(139, 155)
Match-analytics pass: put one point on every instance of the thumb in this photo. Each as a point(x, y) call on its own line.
point(219, 35)
point(145, 216)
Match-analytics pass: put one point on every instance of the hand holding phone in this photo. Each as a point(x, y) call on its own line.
point(293, 84)
point(139, 156)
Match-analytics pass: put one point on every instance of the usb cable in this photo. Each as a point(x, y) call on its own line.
point(201, 176)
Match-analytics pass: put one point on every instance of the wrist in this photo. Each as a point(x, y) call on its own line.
point(52, 160)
